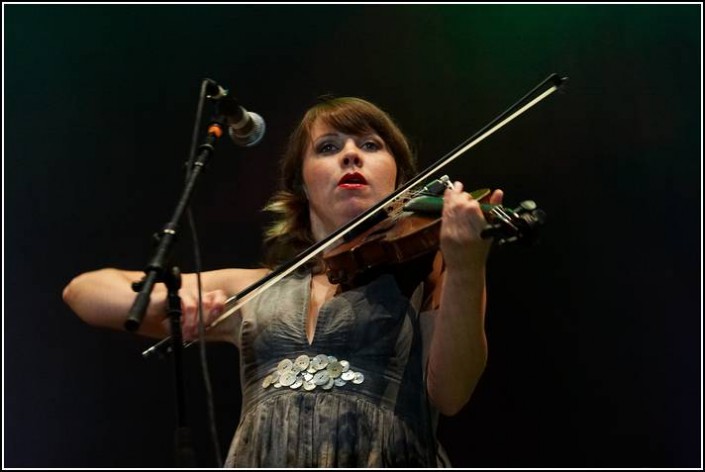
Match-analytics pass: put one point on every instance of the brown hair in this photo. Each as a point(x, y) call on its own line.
point(290, 232)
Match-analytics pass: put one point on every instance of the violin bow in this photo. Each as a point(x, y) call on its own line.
point(548, 86)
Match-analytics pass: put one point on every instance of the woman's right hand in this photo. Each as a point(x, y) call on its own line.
point(213, 304)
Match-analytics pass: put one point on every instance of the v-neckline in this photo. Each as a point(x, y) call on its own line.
point(307, 308)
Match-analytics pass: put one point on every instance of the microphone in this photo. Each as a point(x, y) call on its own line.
point(244, 127)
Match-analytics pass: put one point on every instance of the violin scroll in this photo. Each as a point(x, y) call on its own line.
point(519, 224)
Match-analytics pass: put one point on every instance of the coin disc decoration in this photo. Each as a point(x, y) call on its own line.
point(310, 372)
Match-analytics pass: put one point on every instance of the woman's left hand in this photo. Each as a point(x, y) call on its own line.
point(462, 223)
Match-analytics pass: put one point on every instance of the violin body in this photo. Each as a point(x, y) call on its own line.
point(388, 243)
point(416, 232)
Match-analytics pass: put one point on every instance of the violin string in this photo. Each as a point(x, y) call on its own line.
point(435, 188)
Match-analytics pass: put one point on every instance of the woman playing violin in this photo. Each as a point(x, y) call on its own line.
point(335, 377)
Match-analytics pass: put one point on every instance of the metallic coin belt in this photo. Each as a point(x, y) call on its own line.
point(310, 372)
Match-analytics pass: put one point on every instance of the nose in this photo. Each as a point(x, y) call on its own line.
point(351, 156)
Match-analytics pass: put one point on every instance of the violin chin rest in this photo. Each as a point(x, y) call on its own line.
point(425, 204)
point(433, 204)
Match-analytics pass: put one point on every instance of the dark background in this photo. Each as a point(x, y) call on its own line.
point(595, 333)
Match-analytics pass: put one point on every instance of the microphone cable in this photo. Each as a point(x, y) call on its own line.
point(198, 268)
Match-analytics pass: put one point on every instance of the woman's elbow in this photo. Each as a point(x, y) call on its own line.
point(451, 406)
point(69, 294)
point(450, 398)
point(75, 296)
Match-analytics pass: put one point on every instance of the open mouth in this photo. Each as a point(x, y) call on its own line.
point(352, 180)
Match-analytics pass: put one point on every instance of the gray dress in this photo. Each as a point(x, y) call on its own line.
point(379, 417)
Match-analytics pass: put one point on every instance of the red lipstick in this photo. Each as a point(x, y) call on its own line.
point(352, 180)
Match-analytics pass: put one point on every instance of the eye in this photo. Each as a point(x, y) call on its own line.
point(371, 146)
point(326, 148)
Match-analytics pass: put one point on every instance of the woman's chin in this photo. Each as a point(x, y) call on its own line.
point(353, 209)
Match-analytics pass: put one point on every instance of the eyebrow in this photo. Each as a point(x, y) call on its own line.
point(372, 134)
point(327, 135)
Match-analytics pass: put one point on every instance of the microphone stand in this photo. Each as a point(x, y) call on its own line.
point(159, 269)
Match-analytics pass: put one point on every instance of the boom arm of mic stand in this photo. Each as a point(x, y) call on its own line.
point(155, 269)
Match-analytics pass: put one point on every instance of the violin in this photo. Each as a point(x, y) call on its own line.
point(415, 232)
point(420, 232)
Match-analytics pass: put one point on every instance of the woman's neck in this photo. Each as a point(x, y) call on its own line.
point(320, 229)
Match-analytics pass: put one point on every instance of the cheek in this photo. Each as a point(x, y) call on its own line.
point(315, 175)
point(391, 171)
point(309, 173)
